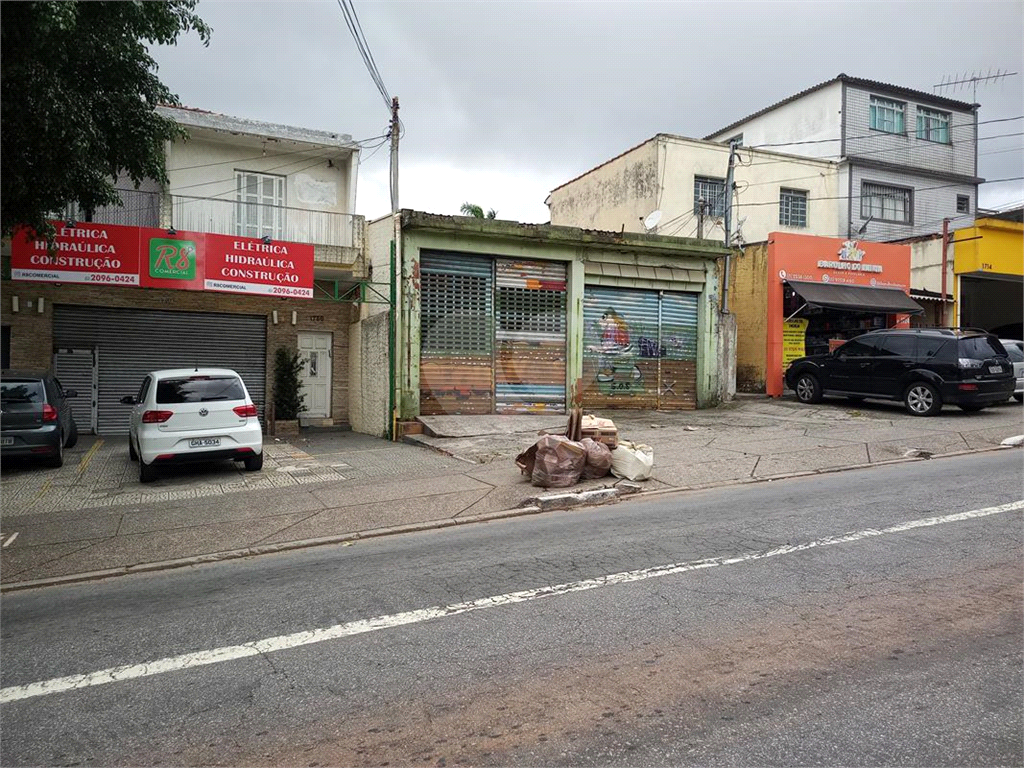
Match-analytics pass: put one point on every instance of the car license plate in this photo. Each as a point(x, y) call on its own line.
point(995, 369)
point(6, 441)
point(203, 442)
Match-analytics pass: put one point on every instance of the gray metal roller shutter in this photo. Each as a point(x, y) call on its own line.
point(132, 342)
point(76, 369)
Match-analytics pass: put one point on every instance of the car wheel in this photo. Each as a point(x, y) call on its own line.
point(922, 399)
point(73, 437)
point(1019, 397)
point(58, 460)
point(132, 454)
point(808, 390)
point(254, 463)
point(147, 472)
point(971, 408)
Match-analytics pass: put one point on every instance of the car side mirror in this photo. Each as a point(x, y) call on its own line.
point(70, 393)
point(128, 400)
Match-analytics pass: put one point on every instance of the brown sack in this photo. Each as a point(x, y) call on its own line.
point(558, 463)
point(599, 459)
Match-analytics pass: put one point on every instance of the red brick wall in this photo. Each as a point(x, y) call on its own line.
point(32, 332)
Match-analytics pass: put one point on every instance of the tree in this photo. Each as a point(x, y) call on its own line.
point(474, 210)
point(79, 92)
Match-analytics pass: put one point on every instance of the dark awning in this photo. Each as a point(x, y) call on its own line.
point(856, 298)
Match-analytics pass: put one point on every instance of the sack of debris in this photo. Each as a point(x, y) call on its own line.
point(632, 461)
point(599, 459)
point(558, 462)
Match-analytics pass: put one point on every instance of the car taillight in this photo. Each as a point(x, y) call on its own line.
point(156, 417)
point(968, 387)
point(49, 412)
point(245, 410)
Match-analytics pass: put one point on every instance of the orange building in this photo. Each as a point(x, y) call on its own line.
point(799, 294)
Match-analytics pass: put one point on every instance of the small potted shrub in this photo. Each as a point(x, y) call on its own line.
point(288, 396)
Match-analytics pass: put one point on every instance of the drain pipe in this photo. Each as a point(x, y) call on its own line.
point(945, 241)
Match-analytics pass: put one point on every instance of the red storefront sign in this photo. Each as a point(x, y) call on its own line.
point(105, 254)
point(158, 258)
point(248, 265)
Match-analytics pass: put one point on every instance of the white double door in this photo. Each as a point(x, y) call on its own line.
point(315, 351)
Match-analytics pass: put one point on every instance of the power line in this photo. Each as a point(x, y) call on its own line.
point(352, 21)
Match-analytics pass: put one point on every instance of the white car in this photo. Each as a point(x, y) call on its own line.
point(1015, 349)
point(193, 414)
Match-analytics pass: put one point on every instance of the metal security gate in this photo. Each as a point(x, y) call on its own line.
point(639, 349)
point(529, 374)
point(77, 369)
point(132, 342)
point(492, 335)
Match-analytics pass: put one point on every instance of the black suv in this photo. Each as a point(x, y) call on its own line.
point(35, 416)
point(923, 367)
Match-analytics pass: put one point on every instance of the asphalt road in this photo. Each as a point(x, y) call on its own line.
point(872, 617)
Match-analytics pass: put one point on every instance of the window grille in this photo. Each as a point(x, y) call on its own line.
point(932, 125)
point(963, 204)
point(793, 207)
point(887, 115)
point(884, 203)
point(713, 192)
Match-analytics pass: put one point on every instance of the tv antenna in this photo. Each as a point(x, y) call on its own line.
point(650, 222)
point(972, 80)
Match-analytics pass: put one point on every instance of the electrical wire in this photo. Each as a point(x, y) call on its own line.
point(354, 27)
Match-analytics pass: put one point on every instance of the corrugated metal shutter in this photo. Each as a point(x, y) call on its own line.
point(132, 342)
point(640, 348)
point(456, 334)
point(76, 369)
point(530, 337)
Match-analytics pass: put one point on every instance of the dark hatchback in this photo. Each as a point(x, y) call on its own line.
point(35, 416)
point(923, 367)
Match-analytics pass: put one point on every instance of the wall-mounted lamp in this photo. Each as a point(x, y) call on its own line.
point(172, 231)
point(71, 223)
point(266, 240)
point(295, 317)
point(39, 305)
point(14, 304)
point(273, 316)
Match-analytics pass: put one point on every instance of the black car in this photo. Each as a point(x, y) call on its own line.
point(923, 367)
point(35, 416)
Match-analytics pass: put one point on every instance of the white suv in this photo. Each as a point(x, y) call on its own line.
point(193, 414)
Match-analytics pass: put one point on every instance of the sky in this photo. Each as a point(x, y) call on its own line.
point(501, 102)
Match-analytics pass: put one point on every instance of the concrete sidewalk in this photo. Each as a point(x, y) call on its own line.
point(93, 519)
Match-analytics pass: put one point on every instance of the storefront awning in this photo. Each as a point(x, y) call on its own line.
point(856, 298)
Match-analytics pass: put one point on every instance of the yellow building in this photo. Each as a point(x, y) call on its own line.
point(989, 273)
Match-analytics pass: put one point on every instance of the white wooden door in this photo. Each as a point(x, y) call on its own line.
point(315, 351)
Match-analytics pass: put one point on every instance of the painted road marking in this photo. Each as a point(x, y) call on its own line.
point(309, 637)
point(10, 540)
point(89, 454)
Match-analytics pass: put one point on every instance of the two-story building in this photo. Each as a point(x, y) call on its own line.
point(253, 245)
point(909, 158)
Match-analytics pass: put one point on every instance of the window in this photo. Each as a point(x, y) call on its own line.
point(793, 207)
point(932, 125)
point(963, 203)
point(259, 209)
point(713, 192)
point(899, 345)
point(864, 346)
point(887, 115)
point(885, 203)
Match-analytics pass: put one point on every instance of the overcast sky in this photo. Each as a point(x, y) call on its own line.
point(503, 101)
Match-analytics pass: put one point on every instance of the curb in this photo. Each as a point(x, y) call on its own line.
point(532, 506)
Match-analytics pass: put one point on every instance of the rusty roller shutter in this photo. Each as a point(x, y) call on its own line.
point(456, 334)
point(640, 348)
point(529, 374)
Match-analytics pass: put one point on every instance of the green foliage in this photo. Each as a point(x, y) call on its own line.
point(288, 396)
point(79, 92)
point(474, 210)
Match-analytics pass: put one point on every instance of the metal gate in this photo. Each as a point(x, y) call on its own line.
point(132, 342)
point(77, 369)
point(639, 349)
point(492, 335)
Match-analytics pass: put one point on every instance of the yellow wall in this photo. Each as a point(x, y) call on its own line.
point(999, 251)
point(748, 301)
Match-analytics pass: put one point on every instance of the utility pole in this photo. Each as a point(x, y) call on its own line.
point(701, 208)
point(729, 184)
point(398, 314)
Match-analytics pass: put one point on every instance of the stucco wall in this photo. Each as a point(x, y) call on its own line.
point(748, 302)
point(368, 373)
point(379, 234)
point(613, 196)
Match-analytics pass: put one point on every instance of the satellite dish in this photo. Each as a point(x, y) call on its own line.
point(652, 220)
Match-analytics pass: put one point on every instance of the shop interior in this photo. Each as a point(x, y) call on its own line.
point(827, 328)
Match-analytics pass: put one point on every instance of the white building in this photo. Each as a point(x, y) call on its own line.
point(910, 156)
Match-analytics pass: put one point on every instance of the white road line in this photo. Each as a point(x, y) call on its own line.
point(285, 642)
point(11, 540)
